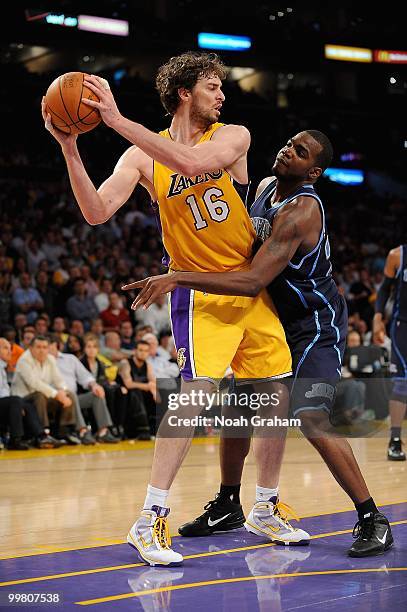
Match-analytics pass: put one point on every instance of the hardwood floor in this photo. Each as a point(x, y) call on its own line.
point(75, 498)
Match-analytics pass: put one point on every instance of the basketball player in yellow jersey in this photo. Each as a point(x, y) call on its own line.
point(193, 170)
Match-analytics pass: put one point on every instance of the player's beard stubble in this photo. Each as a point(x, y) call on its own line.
point(203, 117)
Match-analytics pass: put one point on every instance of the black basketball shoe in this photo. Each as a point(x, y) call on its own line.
point(220, 514)
point(395, 452)
point(373, 536)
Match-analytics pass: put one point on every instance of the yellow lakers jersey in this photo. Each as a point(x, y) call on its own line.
point(205, 224)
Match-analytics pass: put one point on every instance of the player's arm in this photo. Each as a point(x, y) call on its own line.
point(390, 270)
point(290, 228)
point(227, 145)
point(98, 206)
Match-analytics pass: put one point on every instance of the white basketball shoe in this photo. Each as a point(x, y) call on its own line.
point(270, 520)
point(150, 536)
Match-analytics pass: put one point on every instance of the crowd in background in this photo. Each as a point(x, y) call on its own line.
point(60, 279)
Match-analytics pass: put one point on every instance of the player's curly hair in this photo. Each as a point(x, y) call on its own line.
point(184, 71)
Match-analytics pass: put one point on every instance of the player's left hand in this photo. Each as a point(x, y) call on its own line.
point(151, 287)
point(107, 105)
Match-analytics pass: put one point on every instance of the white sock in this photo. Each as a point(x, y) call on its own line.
point(155, 497)
point(265, 494)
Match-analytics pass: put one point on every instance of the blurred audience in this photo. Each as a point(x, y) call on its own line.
point(18, 417)
point(139, 379)
point(38, 380)
point(92, 397)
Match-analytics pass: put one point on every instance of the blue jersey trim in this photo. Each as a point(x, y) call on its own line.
point(305, 408)
point(398, 291)
point(316, 247)
point(315, 262)
point(302, 298)
point(335, 327)
point(309, 347)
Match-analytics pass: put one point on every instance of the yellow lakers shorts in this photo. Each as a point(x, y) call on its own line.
point(213, 332)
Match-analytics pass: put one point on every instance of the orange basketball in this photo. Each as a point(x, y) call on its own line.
point(64, 103)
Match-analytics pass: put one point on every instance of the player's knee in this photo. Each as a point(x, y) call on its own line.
point(312, 422)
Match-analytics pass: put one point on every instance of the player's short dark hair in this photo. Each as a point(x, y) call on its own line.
point(184, 71)
point(324, 157)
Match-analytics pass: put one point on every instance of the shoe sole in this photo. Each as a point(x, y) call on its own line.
point(133, 544)
point(372, 554)
point(253, 529)
point(395, 458)
point(210, 531)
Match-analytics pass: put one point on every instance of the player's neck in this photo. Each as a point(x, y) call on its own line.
point(185, 130)
point(285, 188)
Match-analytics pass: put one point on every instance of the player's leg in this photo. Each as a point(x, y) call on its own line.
point(373, 530)
point(173, 441)
point(317, 366)
point(312, 401)
point(397, 411)
point(206, 338)
point(225, 512)
point(398, 399)
point(335, 451)
point(269, 441)
point(232, 455)
point(263, 350)
point(264, 358)
point(339, 458)
point(269, 517)
point(150, 535)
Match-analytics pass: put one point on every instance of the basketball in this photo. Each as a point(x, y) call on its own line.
point(64, 103)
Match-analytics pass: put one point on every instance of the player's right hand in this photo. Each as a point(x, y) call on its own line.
point(151, 287)
point(61, 137)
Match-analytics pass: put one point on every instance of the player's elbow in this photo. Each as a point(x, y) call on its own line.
point(97, 219)
point(93, 221)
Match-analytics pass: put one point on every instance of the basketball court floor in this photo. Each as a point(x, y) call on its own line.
point(64, 515)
